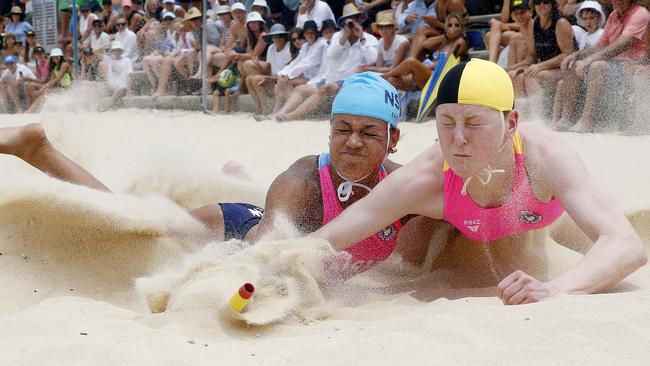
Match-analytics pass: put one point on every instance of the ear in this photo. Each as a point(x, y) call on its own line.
point(512, 121)
point(394, 138)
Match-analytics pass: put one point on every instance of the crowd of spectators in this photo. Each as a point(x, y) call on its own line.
point(292, 56)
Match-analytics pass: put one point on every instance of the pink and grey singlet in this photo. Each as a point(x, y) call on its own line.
point(364, 254)
point(522, 212)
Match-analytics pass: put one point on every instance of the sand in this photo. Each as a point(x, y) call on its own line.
point(86, 275)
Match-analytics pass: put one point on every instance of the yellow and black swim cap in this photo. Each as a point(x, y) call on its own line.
point(477, 82)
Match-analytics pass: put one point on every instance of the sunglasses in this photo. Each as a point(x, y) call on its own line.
point(542, 2)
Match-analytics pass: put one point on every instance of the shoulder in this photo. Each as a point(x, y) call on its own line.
point(547, 153)
point(295, 176)
point(401, 39)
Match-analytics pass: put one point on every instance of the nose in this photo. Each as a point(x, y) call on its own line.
point(459, 135)
point(354, 141)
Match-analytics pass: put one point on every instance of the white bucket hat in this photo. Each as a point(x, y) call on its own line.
point(56, 52)
point(254, 17)
point(237, 6)
point(593, 5)
point(117, 45)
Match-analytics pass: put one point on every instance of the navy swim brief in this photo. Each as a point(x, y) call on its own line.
point(239, 218)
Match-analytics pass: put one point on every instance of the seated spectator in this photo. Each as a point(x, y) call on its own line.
point(99, 41)
point(420, 19)
point(316, 10)
point(170, 5)
point(412, 75)
point(298, 39)
point(391, 48)
point(262, 7)
point(260, 85)
point(622, 42)
point(41, 67)
point(127, 39)
point(399, 11)
point(305, 66)
point(108, 18)
point(9, 47)
point(59, 78)
point(86, 22)
point(502, 31)
point(151, 32)
point(18, 26)
point(349, 48)
point(226, 88)
point(302, 92)
point(235, 37)
point(89, 70)
point(30, 44)
point(591, 19)
point(453, 25)
point(117, 71)
point(164, 46)
point(553, 41)
point(640, 124)
point(186, 55)
point(12, 86)
point(133, 14)
point(256, 51)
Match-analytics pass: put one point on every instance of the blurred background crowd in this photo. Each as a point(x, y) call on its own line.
point(577, 65)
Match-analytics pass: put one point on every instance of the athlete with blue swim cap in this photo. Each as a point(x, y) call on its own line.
point(311, 192)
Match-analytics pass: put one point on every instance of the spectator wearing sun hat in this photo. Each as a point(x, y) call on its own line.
point(18, 26)
point(117, 71)
point(12, 85)
point(316, 10)
point(392, 47)
point(591, 20)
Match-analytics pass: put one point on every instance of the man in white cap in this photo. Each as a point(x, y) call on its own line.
point(116, 70)
point(315, 10)
point(128, 39)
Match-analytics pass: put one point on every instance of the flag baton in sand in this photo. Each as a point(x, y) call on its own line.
point(239, 300)
point(429, 93)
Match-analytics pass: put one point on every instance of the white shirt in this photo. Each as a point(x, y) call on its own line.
point(278, 60)
point(100, 43)
point(20, 68)
point(118, 72)
point(346, 58)
point(319, 13)
point(130, 43)
point(584, 39)
point(324, 68)
point(308, 61)
point(84, 21)
point(389, 55)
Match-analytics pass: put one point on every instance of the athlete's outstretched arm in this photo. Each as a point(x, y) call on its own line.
point(409, 190)
point(617, 250)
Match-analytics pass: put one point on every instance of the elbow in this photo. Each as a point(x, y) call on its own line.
point(636, 254)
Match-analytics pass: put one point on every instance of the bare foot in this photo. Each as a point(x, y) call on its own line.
point(581, 126)
point(236, 169)
point(156, 95)
point(23, 140)
point(281, 118)
point(261, 117)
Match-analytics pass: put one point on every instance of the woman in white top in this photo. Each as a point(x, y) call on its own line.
point(86, 22)
point(303, 67)
point(278, 56)
point(391, 48)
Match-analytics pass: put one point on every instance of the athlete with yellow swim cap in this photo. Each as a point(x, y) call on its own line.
point(496, 181)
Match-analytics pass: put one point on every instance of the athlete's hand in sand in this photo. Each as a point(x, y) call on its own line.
point(522, 288)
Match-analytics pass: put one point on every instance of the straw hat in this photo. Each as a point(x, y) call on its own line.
point(193, 13)
point(276, 30)
point(385, 17)
point(349, 10)
point(16, 10)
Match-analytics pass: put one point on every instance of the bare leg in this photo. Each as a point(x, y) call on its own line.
point(12, 90)
point(253, 89)
point(411, 66)
point(318, 100)
point(420, 36)
point(537, 88)
point(30, 144)
point(597, 72)
point(640, 123)
point(299, 94)
point(115, 98)
point(215, 102)
point(163, 77)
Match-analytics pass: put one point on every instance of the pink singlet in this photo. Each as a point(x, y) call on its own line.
point(366, 253)
point(522, 212)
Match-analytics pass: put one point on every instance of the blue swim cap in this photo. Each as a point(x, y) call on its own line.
point(11, 59)
point(368, 94)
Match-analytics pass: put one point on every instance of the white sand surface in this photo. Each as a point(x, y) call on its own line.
point(82, 269)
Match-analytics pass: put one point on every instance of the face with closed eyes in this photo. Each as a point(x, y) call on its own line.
point(471, 136)
point(358, 144)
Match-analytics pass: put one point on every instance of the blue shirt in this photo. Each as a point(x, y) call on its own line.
point(18, 30)
point(420, 8)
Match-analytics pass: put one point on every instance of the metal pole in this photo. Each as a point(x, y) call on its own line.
point(75, 42)
point(203, 61)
